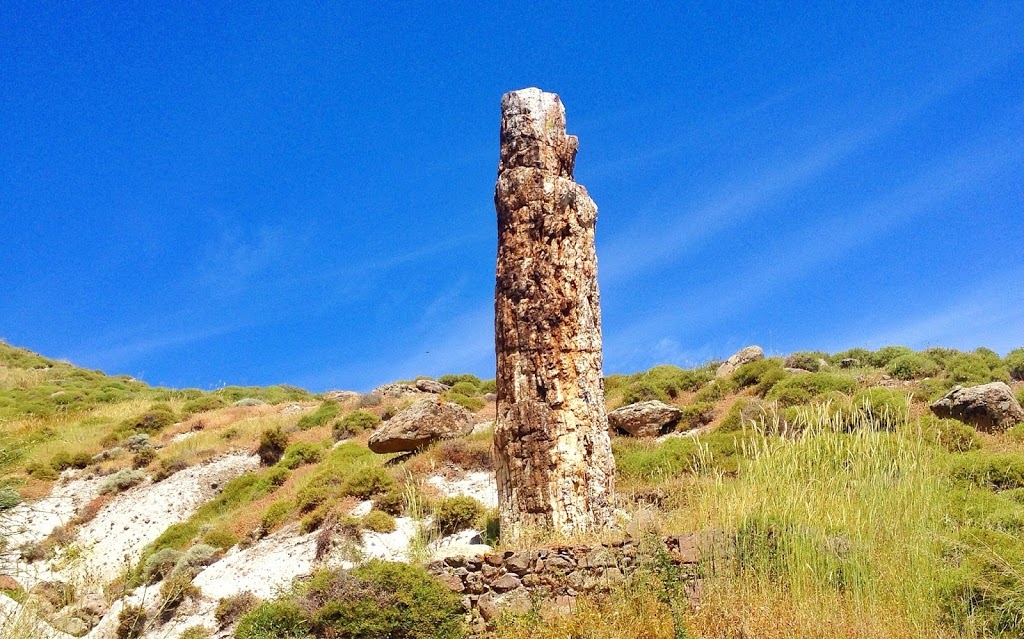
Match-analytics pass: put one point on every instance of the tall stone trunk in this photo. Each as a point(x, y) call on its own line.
point(555, 466)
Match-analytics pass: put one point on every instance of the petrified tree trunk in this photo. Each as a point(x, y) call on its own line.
point(555, 466)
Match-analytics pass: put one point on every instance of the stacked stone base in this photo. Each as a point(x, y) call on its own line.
point(552, 578)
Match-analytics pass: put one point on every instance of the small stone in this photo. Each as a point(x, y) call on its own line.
point(454, 583)
point(519, 563)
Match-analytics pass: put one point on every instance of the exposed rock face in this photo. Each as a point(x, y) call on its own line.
point(430, 386)
point(397, 391)
point(421, 424)
point(989, 407)
point(744, 356)
point(644, 419)
point(341, 396)
point(555, 467)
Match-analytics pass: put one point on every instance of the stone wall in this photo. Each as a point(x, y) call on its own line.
point(514, 580)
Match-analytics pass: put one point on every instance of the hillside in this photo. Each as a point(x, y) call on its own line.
point(837, 505)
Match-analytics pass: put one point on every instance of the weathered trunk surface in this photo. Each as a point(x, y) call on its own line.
point(555, 466)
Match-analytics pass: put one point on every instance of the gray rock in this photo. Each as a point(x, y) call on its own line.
point(989, 407)
point(744, 356)
point(849, 362)
point(430, 386)
point(505, 583)
point(644, 419)
point(424, 422)
point(341, 396)
point(396, 391)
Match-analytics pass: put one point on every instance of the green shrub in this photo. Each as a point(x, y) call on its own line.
point(273, 443)
point(382, 599)
point(882, 357)
point(997, 471)
point(488, 386)
point(195, 632)
point(452, 380)
point(800, 389)
point(220, 538)
point(953, 436)
point(202, 404)
point(378, 521)
point(662, 382)
point(198, 556)
point(983, 591)
point(175, 590)
point(161, 564)
point(369, 481)
point(392, 502)
point(321, 416)
point(9, 498)
point(143, 458)
point(715, 391)
point(152, 421)
point(465, 388)
point(229, 609)
point(696, 416)
point(42, 472)
point(472, 404)
point(301, 453)
point(131, 622)
point(1020, 396)
point(121, 481)
point(273, 620)
point(275, 514)
point(764, 373)
point(976, 368)
point(884, 408)
point(1014, 364)
point(806, 361)
point(654, 462)
point(277, 475)
point(354, 423)
point(311, 496)
point(453, 514)
point(64, 460)
point(862, 355)
point(912, 366)
point(643, 390)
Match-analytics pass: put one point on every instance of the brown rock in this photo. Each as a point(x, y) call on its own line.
point(519, 562)
point(505, 583)
point(644, 419)
point(454, 583)
point(744, 356)
point(989, 407)
point(555, 469)
point(424, 422)
point(430, 386)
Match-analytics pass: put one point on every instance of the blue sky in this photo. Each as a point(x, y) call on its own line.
point(201, 194)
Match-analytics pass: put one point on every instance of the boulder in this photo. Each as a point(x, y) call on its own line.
point(644, 419)
point(424, 422)
point(341, 396)
point(745, 356)
point(430, 386)
point(396, 391)
point(989, 407)
point(849, 362)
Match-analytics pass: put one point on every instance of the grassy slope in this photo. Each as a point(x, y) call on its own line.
point(843, 529)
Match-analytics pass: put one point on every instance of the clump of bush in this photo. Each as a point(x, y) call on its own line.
point(121, 481)
point(378, 521)
point(1014, 363)
point(980, 367)
point(451, 380)
point(174, 591)
point(273, 620)
point(157, 418)
point(663, 383)
point(301, 453)
point(161, 564)
point(220, 538)
point(275, 514)
point(800, 389)
point(696, 416)
point(9, 498)
point(392, 502)
point(912, 366)
point(273, 443)
point(354, 423)
point(377, 599)
point(453, 514)
point(229, 609)
point(715, 391)
point(327, 411)
point(953, 436)
point(369, 481)
point(202, 404)
point(806, 360)
point(131, 622)
point(64, 460)
point(884, 408)
point(883, 356)
point(470, 403)
point(763, 373)
point(996, 471)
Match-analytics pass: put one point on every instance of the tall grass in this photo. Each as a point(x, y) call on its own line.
point(842, 529)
